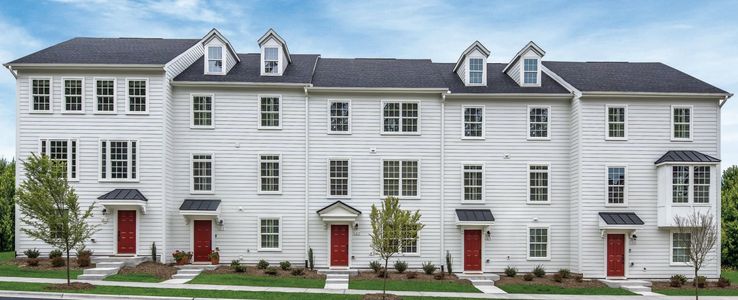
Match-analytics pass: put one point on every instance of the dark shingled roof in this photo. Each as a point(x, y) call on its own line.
point(123, 194)
point(497, 82)
point(475, 215)
point(249, 70)
point(621, 218)
point(339, 202)
point(686, 156)
point(628, 77)
point(110, 51)
point(204, 205)
point(376, 73)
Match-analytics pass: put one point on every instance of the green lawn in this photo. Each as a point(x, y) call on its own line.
point(547, 289)
point(703, 292)
point(257, 280)
point(732, 275)
point(133, 277)
point(8, 268)
point(412, 285)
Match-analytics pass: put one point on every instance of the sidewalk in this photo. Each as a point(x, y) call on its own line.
point(320, 291)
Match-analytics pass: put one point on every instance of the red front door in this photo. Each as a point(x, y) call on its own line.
point(472, 250)
point(126, 232)
point(203, 239)
point(339, 245)
point(616, 255)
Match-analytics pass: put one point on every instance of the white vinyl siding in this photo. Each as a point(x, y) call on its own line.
point(539, 122)
point(105, 95)
point(473, 180)
point(616, 185)
point(339, 184)
point(270, 173)
point(400, 178)
point(40, 100)
point(119, 160)
point(202, 174)
point(64, 151)
point(538, 243)
point(202, 111)
point(137, 96)
point(681, 122)
point(401, 117)
point(339, 117)
point(270, 112)
point(73, 95)
point(616, 119)
point(538, 184)
point(270, 238)
point(473, 117)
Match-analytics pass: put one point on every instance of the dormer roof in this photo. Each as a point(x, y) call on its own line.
point(476, 45)
point(530, 46)
point(273, 34)
point(214, 33)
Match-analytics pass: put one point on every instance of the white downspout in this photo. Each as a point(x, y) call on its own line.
point(443, 167)
point(307, 172)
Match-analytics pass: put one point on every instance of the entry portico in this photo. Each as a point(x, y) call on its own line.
point(340, 219)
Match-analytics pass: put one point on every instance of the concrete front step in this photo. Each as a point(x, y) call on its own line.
point(196, 267)
point(636, 288)
point(91, 277)
point(482, 282)
point(128, 261)
point(617, 283)
point(338, 271)
point(480, 276)
point(102, 271)
point(184, 276)
point(336, 281)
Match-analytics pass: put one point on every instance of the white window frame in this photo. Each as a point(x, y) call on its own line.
point(107, 164)
point(607, 122)
point(64, 96)
point(329, 192)
point(31, 94)
point(548, 187)
point(330, 102)
point(607, 185)
point(223, 56)
point(548, 123)
point(463, 123)
point(69, 152)
point(484, 70)
point(192, 111)
point(417, 247)
point(381, 118)
point(691, 124)
point(463, 185)
point(95, 95)
point(548, 241)
point(278, 70)
point(212, 174)
point(258, 234)
point(522, 72)
point(690, 185)
point(709, 185)
point(128, 96)
point(671, 250)
point(258, 175)
point(399, 190)
point(258, 110)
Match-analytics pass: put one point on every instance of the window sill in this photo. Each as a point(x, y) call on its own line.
point(331, 197)
point(471, 202)
point(105, 113)
point(401, 198)
point(538, 258)
point(473, 138)
point(620, 205)
point(538, 202)
point(269, 128)
point(538, 139)
point(620, 139)
point(681, 140)
point(73, 112)
point(271, 74)
point(339, 133)
point(400, 133)
point(679, 264)
point(202, 192)
point(269, 250)
point(409, 254)
point(269, 193)
point(202, 127)
point(41, 112)
point(119, 180)
point(137, 113)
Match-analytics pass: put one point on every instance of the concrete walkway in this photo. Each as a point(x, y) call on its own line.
point(324, 291)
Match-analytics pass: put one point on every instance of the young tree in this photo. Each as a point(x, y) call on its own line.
point(50, 208)
point(7, 205)
point(729, 214)
point(703, 235)
point(390, 226)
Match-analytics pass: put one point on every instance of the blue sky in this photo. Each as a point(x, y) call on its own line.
point(700, 38)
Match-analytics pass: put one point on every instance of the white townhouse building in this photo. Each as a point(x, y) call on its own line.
point(192, 145)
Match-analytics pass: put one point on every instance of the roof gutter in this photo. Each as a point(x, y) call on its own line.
point(508, 96)
point(599, 94)
point(10, 68)
point(138, 67)
point(377, 90)
point(240, 84)
point(728, 96)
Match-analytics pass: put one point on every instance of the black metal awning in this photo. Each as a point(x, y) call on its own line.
point(621, 218)
point(475, 215)
point(200, 205)
point(123, 194)
point(688, 156)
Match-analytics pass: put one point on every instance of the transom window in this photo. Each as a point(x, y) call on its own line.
point(340, 119)
point(538, 243)
point(400, 178)
point(202, 173)
point(105, 95)
point(269, 230)
point(137, 96)
point(616, 185)
point(476, 70)
point(538, 122)
point(41, 95)
point(616, 122)
point(271, 60)
point(64, 152)
point(202, 111)
point(73, 100)
point(680, 243)
point(681, 123)
point(474, 122)
point(400, 117)
point(118, 160)
point(269, 114)
point(538, 183)
point(215, 59)
point(269, 173)
point(473, 182)
point(699, 185)
point(338, 177)
point(530, 71)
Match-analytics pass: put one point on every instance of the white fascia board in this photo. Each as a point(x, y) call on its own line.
point(31, 66)
point(609, 94)
point(507, 96)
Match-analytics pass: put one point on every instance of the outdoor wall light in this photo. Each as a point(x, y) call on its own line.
point(489, 234)
point(220, 223)
point(356, 226)
point(634, 237)
point(105, 211)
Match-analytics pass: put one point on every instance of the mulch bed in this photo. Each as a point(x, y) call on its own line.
point(379, 297)
point(548, 280)
point(664, 285)
point(159, 270)
point(408, 275)
point(252, 270)
point(70, 287)
point(45, 264)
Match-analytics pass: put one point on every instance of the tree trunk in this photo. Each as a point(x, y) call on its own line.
point(68, 280)
point(696, 288)
point(385, 275)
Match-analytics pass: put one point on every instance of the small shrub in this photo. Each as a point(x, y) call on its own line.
point(311, 259)
point(285, 265)
point(400, 266)
point(539, 271)
point(271, 271)
point(511, 271)
point(298, 272)
point(449, 262)
point(237, 267)
point(84, 258)
point(55, 253)
point(375, 266)
point(701, 282)
point(57, 261)
point(578, 277)
point(32, 253)
point(153, 252)
point(723, 282)
point(440, 276)
point(235, 263)
point(528, 277)
point(677, 280)
point(262, 264)
point(411, 275)
point(429, 268)
point(565, 273)
point(557, 277)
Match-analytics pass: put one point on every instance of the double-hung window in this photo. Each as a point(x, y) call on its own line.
point(473, 182)
point(64, 152)
point(119, 160)
point(137, 95)
point(680, 244)
point(73, 95)
point(338, 178)
point(409, 244)
point(270, 111)
point(473, 122)
point(270, 172)
point(615, 185)
point(538, 183)
point(202, 173)
point(680, 184)
point(339, 117)
point(538, 243)
point(476, 71)
point(690, 184)
point(400, 117)
point(269, 234)
point(538, 122)
point(530, 71)
point(215, 60)
point(40, 95)
point(616, 122)
point(202, 111)
point(271, 60)
point(681, 123)
point(400, 178)
point(104, 101)
point(701, 184)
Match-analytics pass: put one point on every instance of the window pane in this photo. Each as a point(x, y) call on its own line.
point(270, 112)
point(473, 121)
point(473, 182)
point(202, 111)
point(269, 173)
point(680, 247)
point(538, 120)
point(41, 94)
point(338, 177)
point(616, 185)
point(269, 232)
point(680, 184)
point(105, 91)
point(137, 95)
point(73, 94)
point(538, 243)
point(616, 122)
point(538, 183)
point(202, 172)
point(682, 121)
point(391, 175)
point(339, 116)
point(701, 184)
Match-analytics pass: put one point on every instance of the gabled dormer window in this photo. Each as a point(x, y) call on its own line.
point(476, 70)
point(215, 60)
point(530, 71)
point(271, 60)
